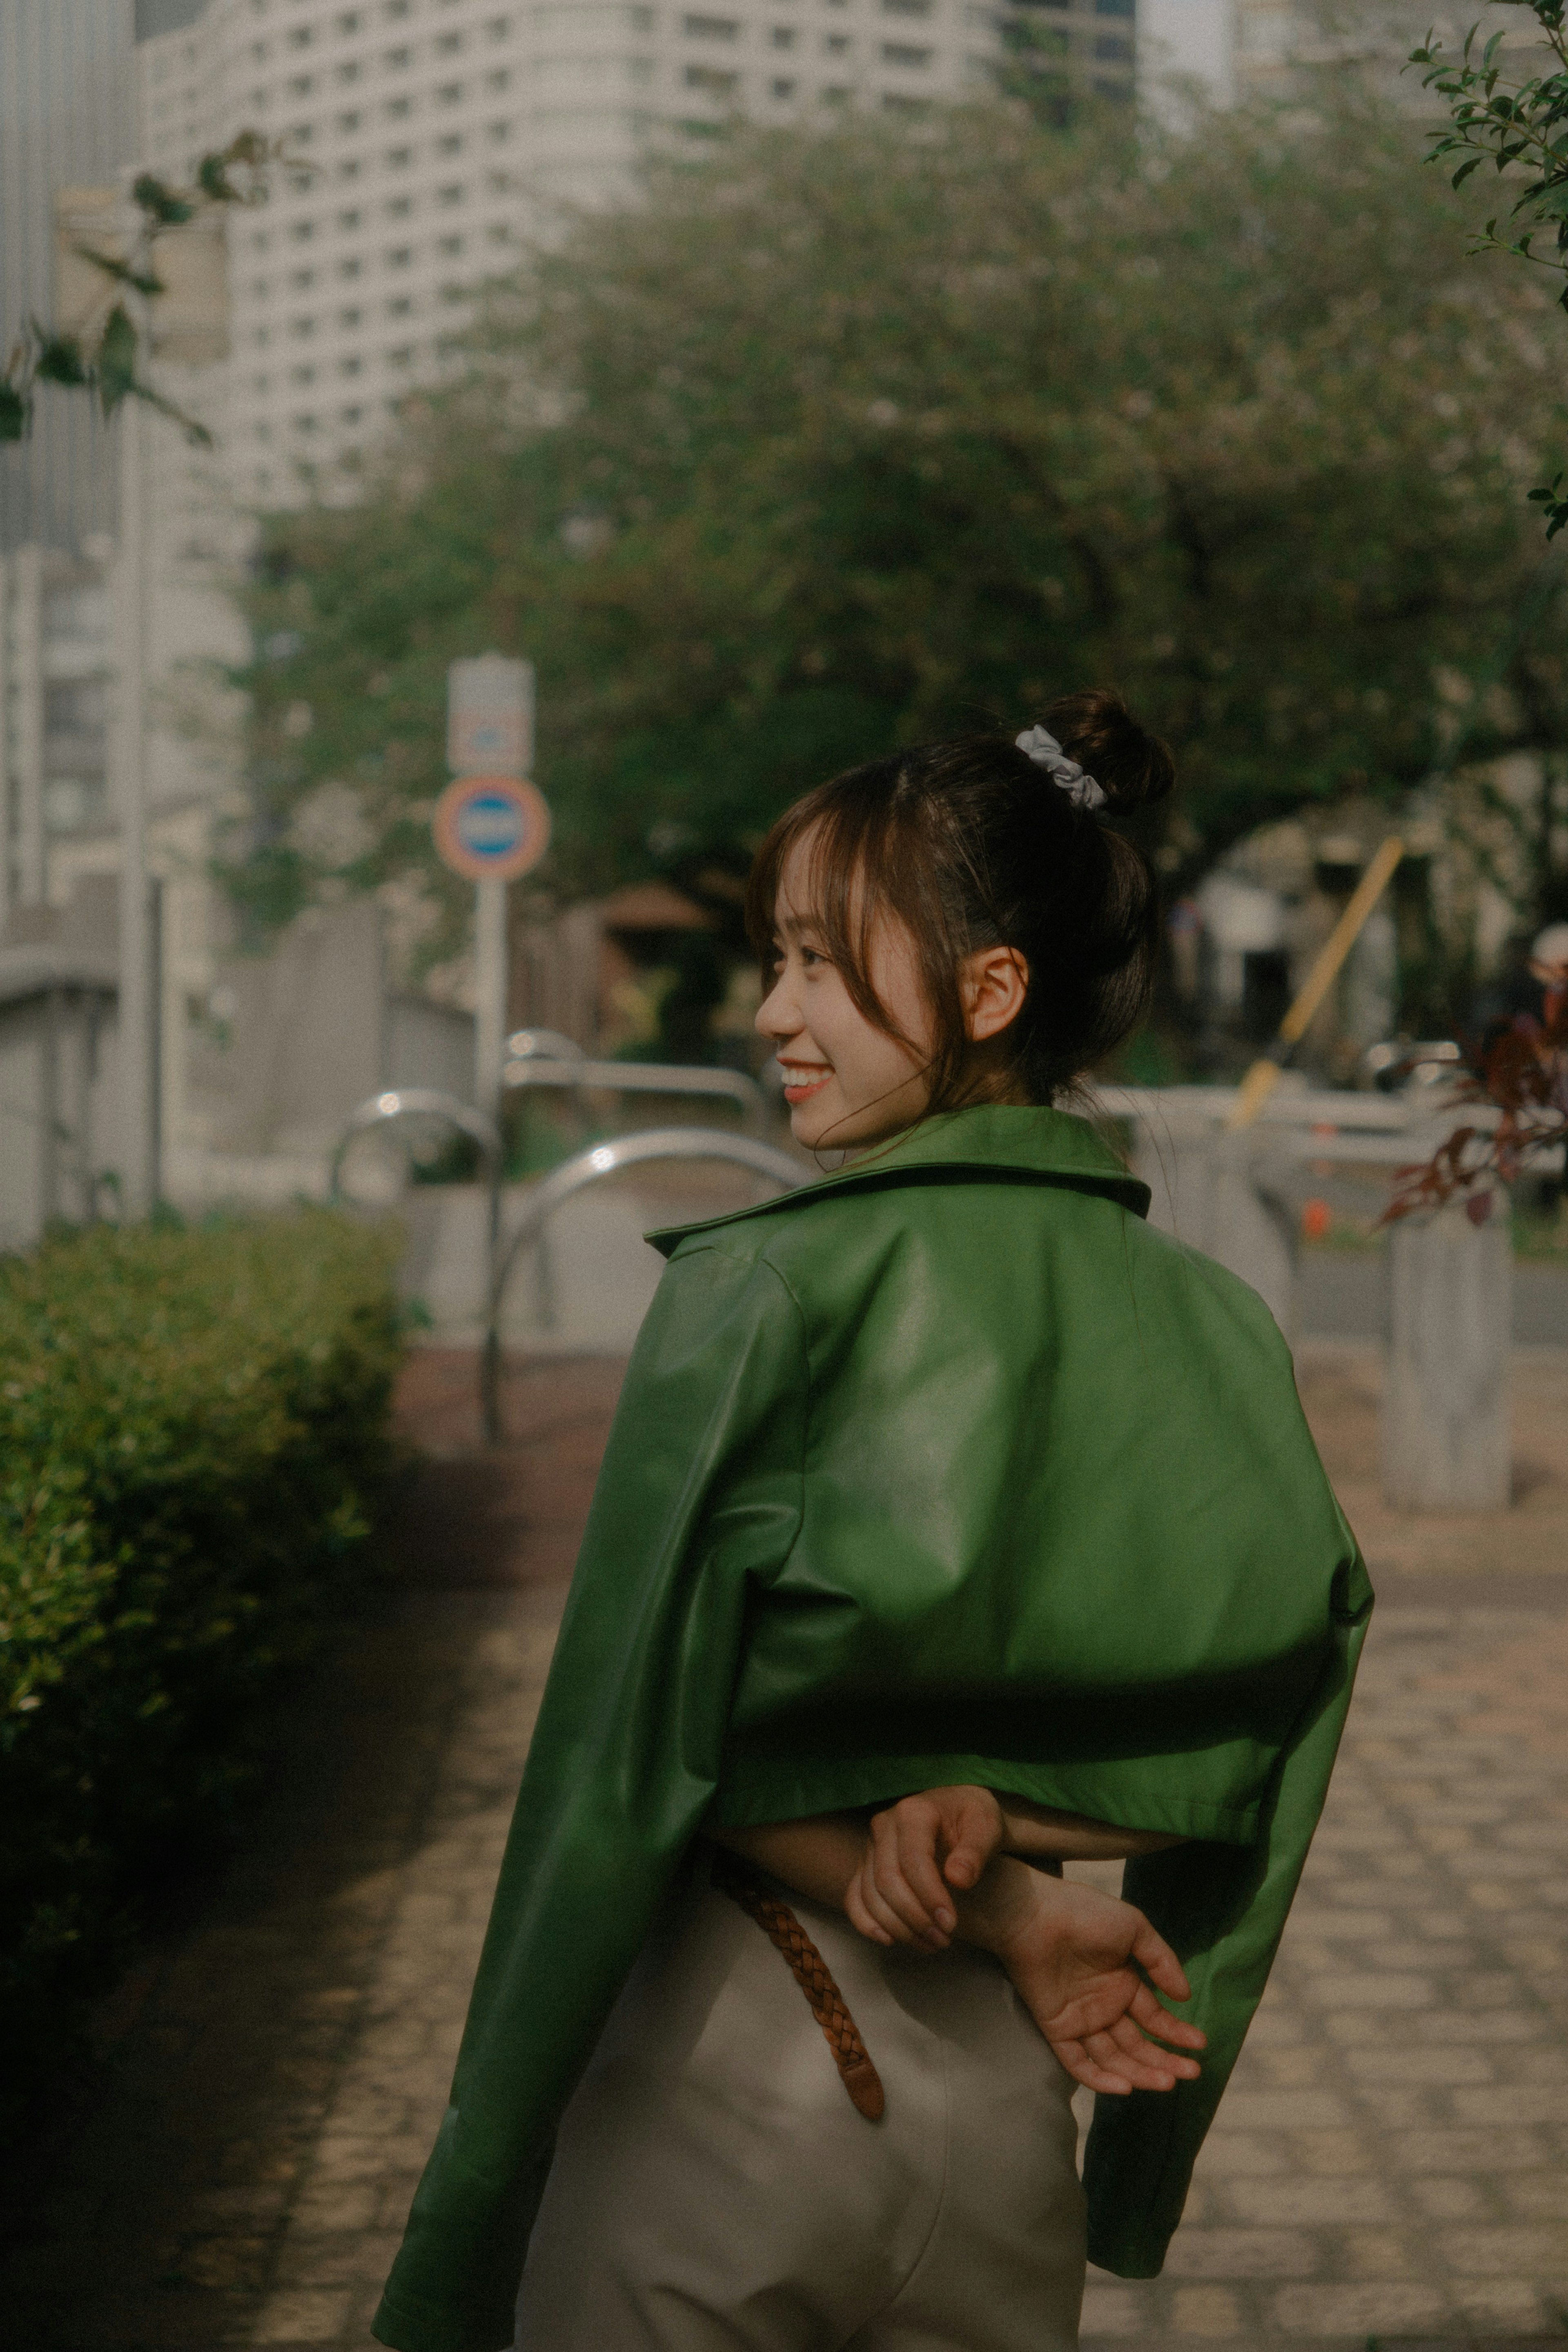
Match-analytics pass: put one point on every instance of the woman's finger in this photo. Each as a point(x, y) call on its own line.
point(1146, 2068)
point(1137, 2049)
point(911, 1853)
point(1157, 2019)
point(972, 1832)
point(1083, 2069)
point(890, 1916)
point(859, 1917)
point(887, 1869)
point(1155, 1956)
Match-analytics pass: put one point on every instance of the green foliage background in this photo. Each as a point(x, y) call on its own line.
point(192, 1441)
point(840, 441)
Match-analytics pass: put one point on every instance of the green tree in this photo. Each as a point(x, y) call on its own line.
point(840, 441)
point(1517, 123)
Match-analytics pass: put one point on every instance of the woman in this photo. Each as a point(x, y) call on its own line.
point(952, 1521)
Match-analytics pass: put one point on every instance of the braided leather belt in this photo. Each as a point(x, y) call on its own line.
point(811, 1973)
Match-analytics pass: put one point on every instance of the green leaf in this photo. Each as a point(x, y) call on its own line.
point(16, 412)
point(59, 359)
point(117, 360)
point(1463, 173)
point(213, 179)
point(123, 274)
point(166, 206)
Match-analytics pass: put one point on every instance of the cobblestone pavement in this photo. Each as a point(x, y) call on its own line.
point(1389, 2163)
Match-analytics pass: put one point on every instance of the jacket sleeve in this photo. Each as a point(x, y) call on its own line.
point(1223, 1908)
point(699, 1496)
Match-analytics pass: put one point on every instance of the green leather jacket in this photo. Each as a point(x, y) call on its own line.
point(947, 1467)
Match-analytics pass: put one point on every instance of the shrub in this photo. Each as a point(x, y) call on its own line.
point(192, 1440)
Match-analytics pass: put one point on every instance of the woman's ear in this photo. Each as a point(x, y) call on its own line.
point(994, 982)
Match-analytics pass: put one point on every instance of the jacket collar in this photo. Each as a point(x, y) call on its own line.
point(1047, 1147)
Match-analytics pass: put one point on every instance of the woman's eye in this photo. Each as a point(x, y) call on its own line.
point(809, 956)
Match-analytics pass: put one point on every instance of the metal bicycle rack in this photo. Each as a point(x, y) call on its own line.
point(589, 1168)
point(586, 1168)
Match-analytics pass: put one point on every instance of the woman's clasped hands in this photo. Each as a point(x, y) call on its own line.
point(1084, 1964)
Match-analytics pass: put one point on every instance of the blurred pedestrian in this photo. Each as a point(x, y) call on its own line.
point(952, 1522)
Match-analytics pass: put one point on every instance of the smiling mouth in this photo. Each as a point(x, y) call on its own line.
point(809, 1078)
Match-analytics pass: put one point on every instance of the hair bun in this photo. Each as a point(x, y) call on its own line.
point(1095, 727)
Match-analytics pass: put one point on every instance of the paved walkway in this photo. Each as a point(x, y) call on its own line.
point(1389, 2162)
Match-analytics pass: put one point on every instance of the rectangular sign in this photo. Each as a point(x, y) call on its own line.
point(490, 717)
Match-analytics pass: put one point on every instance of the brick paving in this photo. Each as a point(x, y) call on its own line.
point(1389, 2164)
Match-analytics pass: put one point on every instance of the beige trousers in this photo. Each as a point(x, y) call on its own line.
point(714, 2190)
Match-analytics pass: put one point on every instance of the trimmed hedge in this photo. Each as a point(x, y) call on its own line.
point(193, 1439)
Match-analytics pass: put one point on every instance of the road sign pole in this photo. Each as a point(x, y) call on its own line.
point(489, 989)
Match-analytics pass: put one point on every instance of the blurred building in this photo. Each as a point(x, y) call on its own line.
point(441, 132)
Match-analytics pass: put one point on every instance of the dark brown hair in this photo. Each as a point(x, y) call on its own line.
point(970, 845)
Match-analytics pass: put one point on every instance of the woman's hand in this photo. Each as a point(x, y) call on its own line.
point(919, 1852)
point(1074, 1956)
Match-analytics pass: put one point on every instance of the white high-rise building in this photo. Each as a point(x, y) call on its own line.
point(441, 132)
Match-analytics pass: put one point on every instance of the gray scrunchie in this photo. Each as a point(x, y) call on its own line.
point(1040, 746)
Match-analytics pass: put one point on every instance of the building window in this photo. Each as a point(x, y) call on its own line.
point(351, 318)
point(300, 279)
point(299, 327)
point(449, 94)
point(306, 424)
point(351, 415)
point(899, 53)
point(710, 28)
point(398, 109)
point(398, 159)
point(399, 208)
point(449, 196)
point(396, 60)
point(448, 44)
point(783, 89)
point(837, 44)
point(350, 73)
point(1114, 47)
point(347, 125)
point(708, 79)
point(498, 133)
point(348, 22)
point(300, 37)
point(351, 267)
point(450, 246)
point(500, 79)
point(835, 95)
point(301, 85)
point(302, 376)
point(452, 144)
point(401, 257)
point(302, 231)
point(893, 101)
point(499, 28)
point(783, 36)
point(402, 357)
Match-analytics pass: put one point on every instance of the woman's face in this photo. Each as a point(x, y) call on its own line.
point(847, 1082)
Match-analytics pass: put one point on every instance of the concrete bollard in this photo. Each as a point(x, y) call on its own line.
point(1445, 1420)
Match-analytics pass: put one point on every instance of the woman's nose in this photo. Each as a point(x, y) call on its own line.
point(776, 1016)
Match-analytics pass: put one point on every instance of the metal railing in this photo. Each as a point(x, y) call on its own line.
point(552, 1069)
point(590, 1166)
point(563, 1183)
